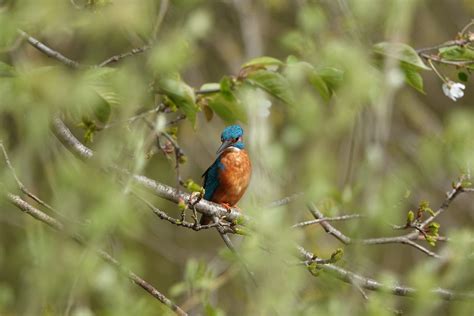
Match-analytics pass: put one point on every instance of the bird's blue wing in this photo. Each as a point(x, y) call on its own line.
point(211, 179)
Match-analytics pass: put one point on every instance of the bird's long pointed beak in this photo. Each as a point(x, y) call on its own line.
point(225, 144)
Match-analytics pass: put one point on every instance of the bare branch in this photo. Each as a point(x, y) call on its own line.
point(405, 239)
point(25, 190)
point(373, 285)
point(451, 195)
point(327, 219)
point(162, 215)
point(119, 57)
point(460, 42)
point(64, 134)
point(285, 200)
point(58, 226)
point(328, 227)
point(164, 4)
point(49, 51)
point(135, 117)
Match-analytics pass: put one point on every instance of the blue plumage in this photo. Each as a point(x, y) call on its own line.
point(211, 178)
point(232, 131)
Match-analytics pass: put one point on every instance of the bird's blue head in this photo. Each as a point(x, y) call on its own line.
point(231, 137)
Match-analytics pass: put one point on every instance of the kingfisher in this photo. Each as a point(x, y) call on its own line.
point(226, 180)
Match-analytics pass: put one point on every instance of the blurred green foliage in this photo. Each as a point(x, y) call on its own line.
point(318, 87)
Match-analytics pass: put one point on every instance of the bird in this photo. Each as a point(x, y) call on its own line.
point(227, 179)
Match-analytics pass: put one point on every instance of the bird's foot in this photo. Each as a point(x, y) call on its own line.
point(227, 207)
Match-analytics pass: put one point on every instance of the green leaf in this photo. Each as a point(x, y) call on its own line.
point(314, 269)
point(6, 70)
point(401, 52)
point(410, 217)
point(263, 61)
point(102, 110)
point(336, 255)
point(273, 83)
point(413, 78)
point(332, 76)
point(457, 53)
point(182, 95)
point(320, 85)
point(227, 107)
point(193, 186)
point(226, 84)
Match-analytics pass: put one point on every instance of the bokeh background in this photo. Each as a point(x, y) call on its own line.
point(378, 148)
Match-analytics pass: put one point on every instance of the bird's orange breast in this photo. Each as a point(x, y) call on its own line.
point(234, 177)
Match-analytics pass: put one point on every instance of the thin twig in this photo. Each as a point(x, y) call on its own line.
point(135, 117)
point(327, 219)
point(285, 200)
point(58, 226)
point(459, 42)
point(176, 120)
point(328, 227)
point(162, 215)
point(164, 4)
point(119, 57)
point(232, 248)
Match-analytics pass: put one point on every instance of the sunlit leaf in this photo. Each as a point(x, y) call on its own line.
point(320, 85)
point(402, 52)
point(331, 76)
point(457, 53)
point(227, 107)
point(413, 77)
point(263, 61)
point(273, 83)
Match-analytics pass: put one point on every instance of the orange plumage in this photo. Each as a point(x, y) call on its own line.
point(234, 178)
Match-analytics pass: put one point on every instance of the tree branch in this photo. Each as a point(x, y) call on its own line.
point(118, 57)
point(373, 285)
point(327, 219)
point(405, 239)
point(49, 51)
point(58, 226)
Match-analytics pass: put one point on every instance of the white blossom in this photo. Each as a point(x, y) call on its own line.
point(453, 90)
